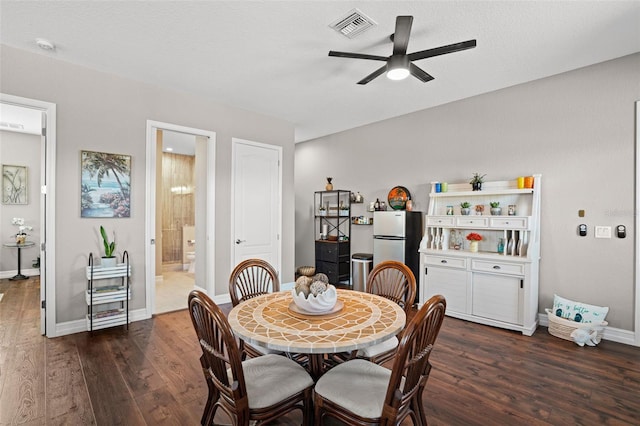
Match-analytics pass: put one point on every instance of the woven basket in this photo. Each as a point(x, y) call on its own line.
point(563, 328)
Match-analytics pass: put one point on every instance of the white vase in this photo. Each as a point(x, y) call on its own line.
point(473, 246)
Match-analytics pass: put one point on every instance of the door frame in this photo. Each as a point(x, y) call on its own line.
point(234, 143)
point(47, 209)
point(636, 329)
point(150, 209)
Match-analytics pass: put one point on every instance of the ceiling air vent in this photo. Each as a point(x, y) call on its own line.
point(353, 23)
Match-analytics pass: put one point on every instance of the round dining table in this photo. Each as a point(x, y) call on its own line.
point(271, 320)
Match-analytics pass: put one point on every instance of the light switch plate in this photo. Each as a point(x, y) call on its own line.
point(603, 232)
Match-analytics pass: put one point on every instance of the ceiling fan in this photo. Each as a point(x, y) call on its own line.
point(400, 64)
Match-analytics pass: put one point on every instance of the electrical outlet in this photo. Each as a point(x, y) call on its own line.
point(603, 232)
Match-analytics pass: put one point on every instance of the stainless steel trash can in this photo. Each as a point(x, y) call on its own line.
point(361, 264)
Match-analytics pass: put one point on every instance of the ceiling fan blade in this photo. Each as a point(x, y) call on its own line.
point(373, 75)
point(443, 50)
point(401, 36)
point(357, 56)
point(419, 73)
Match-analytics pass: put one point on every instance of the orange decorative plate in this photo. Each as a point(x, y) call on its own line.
point(398, 197)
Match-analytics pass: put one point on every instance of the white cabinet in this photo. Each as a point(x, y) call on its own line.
point(497, 297)
point(498, 284)
point(448, 276)
point(108, 294)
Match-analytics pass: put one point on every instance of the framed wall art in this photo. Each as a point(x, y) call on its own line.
point(14, 184)
point(105, 187)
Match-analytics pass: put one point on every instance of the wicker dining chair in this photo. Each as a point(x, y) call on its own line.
point(360, 392)
point(395, 281)
point(251, 278)
point(259, 389)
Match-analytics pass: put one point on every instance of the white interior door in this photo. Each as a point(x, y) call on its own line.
point(257, 202)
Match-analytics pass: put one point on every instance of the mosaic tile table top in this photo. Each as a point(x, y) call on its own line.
point(365, 320)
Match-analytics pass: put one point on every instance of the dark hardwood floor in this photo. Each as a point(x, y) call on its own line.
point(150, 375)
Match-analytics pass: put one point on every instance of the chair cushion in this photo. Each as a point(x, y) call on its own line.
point(273, 378)
point(382, 347)
point(357, 385)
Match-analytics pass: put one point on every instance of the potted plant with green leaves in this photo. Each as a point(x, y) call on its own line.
point(465, 208)
point(109, 260)
point(344, 209)
point(496, 210)
point(476, 181)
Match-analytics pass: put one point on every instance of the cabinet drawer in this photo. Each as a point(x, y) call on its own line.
point(473, 221)
point(498, 267)
point(446, 261)
point(440, 220)
point(333, 271)
point(511, 222)
point(332, 251)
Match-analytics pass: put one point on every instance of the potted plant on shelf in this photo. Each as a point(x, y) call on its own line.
point(108, 260)
point(465, 208)
point(344, 210)
point(476, 181)
point(473, 241)
point(479, 209)
point(496, 210)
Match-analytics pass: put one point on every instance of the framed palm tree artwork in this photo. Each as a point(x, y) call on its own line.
point(105, 185)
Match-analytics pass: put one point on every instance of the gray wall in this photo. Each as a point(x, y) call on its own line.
point(103, 112)
point(20, 149)
point(576, 129)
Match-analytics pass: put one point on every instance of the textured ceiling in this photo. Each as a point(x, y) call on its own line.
point(271, 56)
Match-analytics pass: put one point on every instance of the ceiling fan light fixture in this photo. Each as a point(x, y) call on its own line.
point(398, 67)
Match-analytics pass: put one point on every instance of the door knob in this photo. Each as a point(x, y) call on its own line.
point(238, 241)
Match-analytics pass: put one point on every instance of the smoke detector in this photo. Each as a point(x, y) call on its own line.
point(45, 44)
point(353, 24)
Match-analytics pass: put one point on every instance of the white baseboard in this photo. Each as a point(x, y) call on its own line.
point(79, 326)
point(614, 334)
point(27, 272)
point(221, 299)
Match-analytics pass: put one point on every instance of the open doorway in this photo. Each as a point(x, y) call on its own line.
point(31, 118)
point(180, 212)
point(176, 215)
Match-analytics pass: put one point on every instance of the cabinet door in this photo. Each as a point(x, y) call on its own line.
point(497, 297)
point(451, 283)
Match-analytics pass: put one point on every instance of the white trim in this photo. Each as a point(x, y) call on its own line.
point(221, 299)
point(80, 326)
point(278, 149)
point(636, 224)
point(613, 334)
point(28, 272)
point(48, 262)
point(150, 208)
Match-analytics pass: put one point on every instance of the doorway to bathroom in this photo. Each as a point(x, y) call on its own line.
point(180, 227)
point(176, 192)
